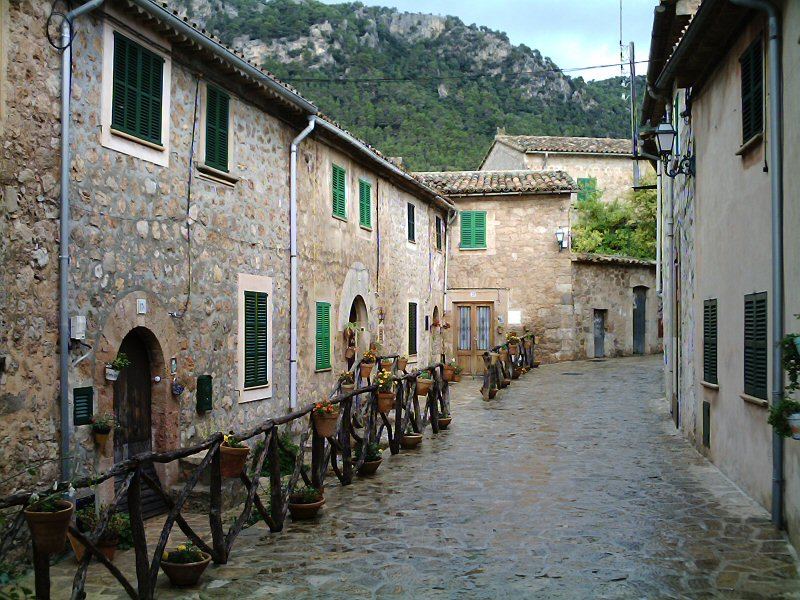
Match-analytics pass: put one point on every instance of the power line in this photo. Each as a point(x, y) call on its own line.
point(445, 77)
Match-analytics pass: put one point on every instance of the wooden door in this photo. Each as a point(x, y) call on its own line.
point(133, 413)
point(473, 335)
point(639, 319)
point(599, 333)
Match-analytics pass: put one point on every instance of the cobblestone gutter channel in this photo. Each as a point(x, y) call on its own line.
point(565, 486)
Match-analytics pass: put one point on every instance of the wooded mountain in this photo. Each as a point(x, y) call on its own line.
point(428, 88)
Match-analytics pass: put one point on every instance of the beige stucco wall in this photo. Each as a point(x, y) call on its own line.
point(339, 260)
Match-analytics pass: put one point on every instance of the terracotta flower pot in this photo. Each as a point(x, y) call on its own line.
point(369, 467)
point(49, 529)
point(386, 365)
point(448, 372)
point(423, 386)
point(232, 460)
point(303, 512)
point(100, 439)
point(456, 377)
point(516, 373)
point(513, 349)
point(493, 356)
point(385, 401)
point(504, 355)
point(402, 363)
point(411, 440)
point(325, 424)
point(528, 344)
point(78, 548)
point(505, 382)
point(444, 422)
point(492, 393)
point(794, 425)
point(348, 387)
point(112, 374)
point(108, 547)
point(366, 369)
point(181, 575)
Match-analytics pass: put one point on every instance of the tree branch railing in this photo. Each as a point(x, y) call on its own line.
point(357, 410)
point(501, 367)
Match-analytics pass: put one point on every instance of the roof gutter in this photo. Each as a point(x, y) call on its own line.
point(776, 181)
point(367, 153)
point(211, 45)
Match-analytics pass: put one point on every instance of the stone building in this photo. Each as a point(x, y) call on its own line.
point(594, 163)
point(727, 298)
point(179, 252)
point(508, 272)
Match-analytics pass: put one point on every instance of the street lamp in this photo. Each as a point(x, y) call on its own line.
point(665, 141)
point(562, 238)
point(665, 138)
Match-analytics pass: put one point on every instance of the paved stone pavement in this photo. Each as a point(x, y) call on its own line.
point(570, 484)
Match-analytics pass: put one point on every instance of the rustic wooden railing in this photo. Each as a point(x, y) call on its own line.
point(357, 410)
point(501, 367)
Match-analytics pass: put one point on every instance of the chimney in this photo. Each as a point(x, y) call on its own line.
point(500, 131)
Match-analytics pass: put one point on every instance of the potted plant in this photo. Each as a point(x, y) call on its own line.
point(325, 415)
point(503, 354)
point(493, 357)
point(512, 339)
point(445, 419)
point(367, 362)
point(305, 503)
point(385, 391)
point(492, 391)
point(410, 439)
point(115, 366)
point(101, 429)
point(449, 370)
point(372, 460)
point(785, 416)
point(528, 343)
point(386, 364)
point(185, 564)
point(350, 339)
point(516, 372)
point(86, 520)
point(402, 362)
point(347, 382)
point(233, 456)
point(424, 381)
point(457, 374)
point(48, 519)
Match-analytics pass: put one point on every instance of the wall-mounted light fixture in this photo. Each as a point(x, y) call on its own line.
point(665, 140)
point(562, 238)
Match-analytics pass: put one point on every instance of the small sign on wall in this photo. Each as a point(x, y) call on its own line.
point(515, 317)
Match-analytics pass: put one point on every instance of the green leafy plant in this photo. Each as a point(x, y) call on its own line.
point(458, 370)
point(346, 378)
point(287, 454)
point(103, 423)
point(120, 362)
point(50, 503)
point(305, 495)
point(369, 357)
point(425, 374)
point(118, 527)
point(184, 554)
point(779, 414)
point(384, 381)
point(230, 441)
point(373, 452)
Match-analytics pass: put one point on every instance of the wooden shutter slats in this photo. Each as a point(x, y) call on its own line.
point(752, 89)
point(412, 234)
point(480, 229)
point(710, 343)
point(256, 344)
point(755, 345)
point(365, 204)
point(137, 90)
point(217, 119)
point(412, 328)
point(323, 336)
point(338, 189)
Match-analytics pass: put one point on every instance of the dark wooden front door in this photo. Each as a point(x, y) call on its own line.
point(473, 335)
point(599, 333)
point(133, 412)
point(639, 319)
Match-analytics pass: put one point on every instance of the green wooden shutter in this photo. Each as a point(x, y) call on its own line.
point(412, 235)
point(755, 345)
point(338, 192)
point(365, 204)
point(438, 232)
point(217, 119)
point(752, 65)
point(412, 328)
point(323, 336)
point(710, 341)
point(137, 90)
point(479, 235)
point(467, 229)
point(256, 350)
point(82, 405)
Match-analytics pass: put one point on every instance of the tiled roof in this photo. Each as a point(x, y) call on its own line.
point(613, 260)
point(576, 145)
point(460, 183)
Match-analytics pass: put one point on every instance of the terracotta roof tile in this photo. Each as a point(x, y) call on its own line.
point(577, 145)
point(612, 259)
point(457, 183)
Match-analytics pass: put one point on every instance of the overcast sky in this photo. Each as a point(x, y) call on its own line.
point(574, 33)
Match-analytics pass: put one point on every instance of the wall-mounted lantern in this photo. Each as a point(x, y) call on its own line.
point(562, 238)
point(665, 141)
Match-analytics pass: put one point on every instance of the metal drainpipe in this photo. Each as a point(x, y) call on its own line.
point(659, 231)
point(776, 181)
point(63, 243)
point(312, 120)
point(451, 217)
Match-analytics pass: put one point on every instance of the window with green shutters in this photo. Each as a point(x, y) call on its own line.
point(137, 90)
point(412, 328)
point(752, 65)
point(217, 119)
point(364, 204)
point(473, 229)
point(439, 233)
point(338, 192)
point(755, 345)
point(710, 341)
point(411, 218)
point(323, 337)
point(256, 350)
point(586, 186)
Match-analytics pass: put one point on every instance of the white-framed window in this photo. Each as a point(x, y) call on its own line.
point(135, 94)
point(254, 339)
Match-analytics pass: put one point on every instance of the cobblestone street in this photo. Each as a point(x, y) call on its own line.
point(571, 484)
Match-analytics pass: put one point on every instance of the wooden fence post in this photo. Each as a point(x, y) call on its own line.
point(275, 491)
point(41, 567)
point(344, 441)
point(215, 510)
point(139, 540)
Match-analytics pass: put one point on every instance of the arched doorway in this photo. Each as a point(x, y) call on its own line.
point(356, 334)
point(133, 410)
point(639, 319)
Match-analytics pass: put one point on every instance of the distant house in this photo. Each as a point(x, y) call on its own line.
point(594, 163)
point(507, 271)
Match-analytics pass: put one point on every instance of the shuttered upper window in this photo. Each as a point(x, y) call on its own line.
point(364, 204)
point(338, 192)
point(752, 64)
point(586, 186)
point(412, 328)
point(217, 119)
point(473, 229)
point(710, 341)
point(755, 345)
point(412, 225)
point(256, 350)
point(439, 233)
point(323, 336)
point(137, 90)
